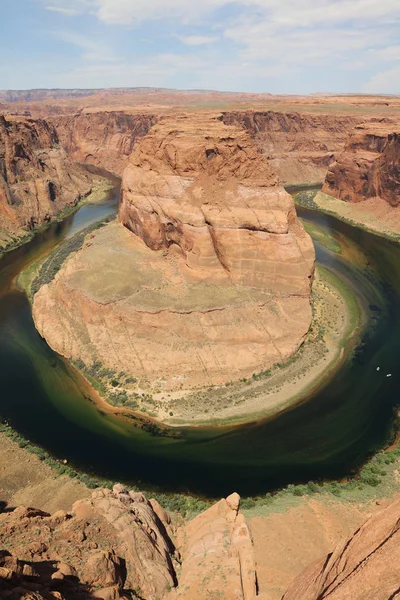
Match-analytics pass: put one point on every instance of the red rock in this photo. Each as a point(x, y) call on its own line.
point(366, 566)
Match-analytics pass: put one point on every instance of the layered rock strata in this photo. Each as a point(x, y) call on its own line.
point(300, 146)
point(104, 138)
point(366, 566)
point(207, 279)
point(37, 179)
point(119, 545)
point(368, 167)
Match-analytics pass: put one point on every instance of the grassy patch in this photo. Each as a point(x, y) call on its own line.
point(322, 237)
point(43, 271)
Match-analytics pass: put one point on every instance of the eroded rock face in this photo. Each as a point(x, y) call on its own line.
point(105, 139)
point(37, 179)
point(119, 545)
point(300, 146)
point(206, 189)
point(369, 167)
point(208, 279)
point(217, 556)
point(366, 566)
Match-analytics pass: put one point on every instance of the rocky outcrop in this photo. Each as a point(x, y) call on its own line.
point(208, 279)
point(105, 139)
point(37, 179)
point(119, 545)
point(368, 167)
point(366, 566)
point(299, 146)
point(217, 555)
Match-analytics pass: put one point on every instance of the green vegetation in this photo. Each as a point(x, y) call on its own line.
point(187, 506)
point(322, 237)
point(353, 306)
point(108, 383)
point(44, 271)
point(305, 199)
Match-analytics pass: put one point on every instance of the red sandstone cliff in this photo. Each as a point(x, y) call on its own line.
point(104, 138)
point(368, 167)
point(37, 178)
point(300, 146)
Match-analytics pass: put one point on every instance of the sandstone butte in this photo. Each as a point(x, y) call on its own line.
point(206, 277)
point(37, 178)
point(368, 167)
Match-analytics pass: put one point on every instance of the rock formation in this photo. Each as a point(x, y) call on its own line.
point(208, 280)
point(368, 167)
point(37, 179)
point(366, 566)
point(299, 146)
point(103, 138)
point(118, 545)
point(217, 556)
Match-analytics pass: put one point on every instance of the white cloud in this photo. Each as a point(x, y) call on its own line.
point(93, 50)
point(384, 82)
point(63, 10)
point(264, 38)
point(196, 40)
point(290, 13)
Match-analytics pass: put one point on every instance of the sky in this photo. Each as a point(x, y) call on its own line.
point(275, 46)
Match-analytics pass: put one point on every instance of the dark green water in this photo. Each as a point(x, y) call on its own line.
point(324, 437)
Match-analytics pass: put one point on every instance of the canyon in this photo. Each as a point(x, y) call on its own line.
point(363, 184)
point(37, 177)
point(205, 276)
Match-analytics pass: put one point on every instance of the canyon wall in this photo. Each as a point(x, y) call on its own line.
point(208, 273)
point(368, 167)
point(37, 178)
point(104, 138)
point(299, 146)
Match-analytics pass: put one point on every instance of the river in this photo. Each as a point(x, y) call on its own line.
point(325, 436)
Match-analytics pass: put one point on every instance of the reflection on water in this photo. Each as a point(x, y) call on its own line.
point(326, 436)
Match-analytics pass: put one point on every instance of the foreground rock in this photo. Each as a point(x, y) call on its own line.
point(37, 179)
point(208, 279)
point(118, 545)
point(366, 566)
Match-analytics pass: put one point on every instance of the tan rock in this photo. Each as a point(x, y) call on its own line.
point(105, 569)
point(217, 556)
point(366, 566)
